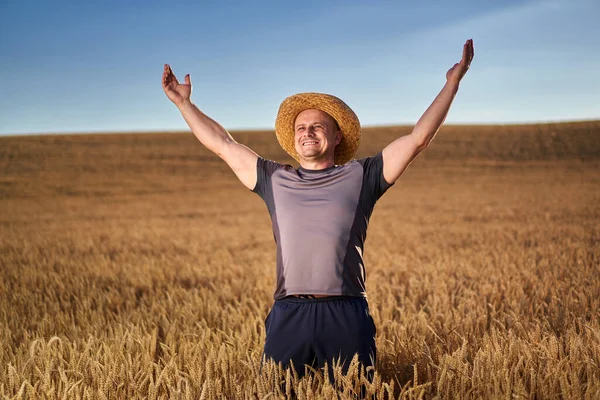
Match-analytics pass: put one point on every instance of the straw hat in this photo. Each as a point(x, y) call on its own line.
point(336, 108)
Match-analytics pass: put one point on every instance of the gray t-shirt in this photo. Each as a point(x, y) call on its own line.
point(320, 220)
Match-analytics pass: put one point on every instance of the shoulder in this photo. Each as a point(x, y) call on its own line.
point(265, 169)
point(270, 166)
point(373, 180)
point(372, 161)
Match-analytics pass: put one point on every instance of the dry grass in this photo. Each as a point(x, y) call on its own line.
point(136, 266)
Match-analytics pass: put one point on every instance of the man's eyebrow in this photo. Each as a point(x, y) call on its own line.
point(320, 122)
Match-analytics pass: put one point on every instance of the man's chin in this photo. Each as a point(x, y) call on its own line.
point(310, 155)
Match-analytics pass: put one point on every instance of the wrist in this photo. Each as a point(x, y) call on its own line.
point(184, 104)
point(453, 84)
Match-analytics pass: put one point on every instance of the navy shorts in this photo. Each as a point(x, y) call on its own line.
point(312, 332)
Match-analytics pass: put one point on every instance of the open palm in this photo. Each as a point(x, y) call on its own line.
point(459, 69)
point(175, 91)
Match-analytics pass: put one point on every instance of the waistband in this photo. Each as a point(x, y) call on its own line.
point(303, 300)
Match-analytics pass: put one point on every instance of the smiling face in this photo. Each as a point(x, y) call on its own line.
point(315, 136)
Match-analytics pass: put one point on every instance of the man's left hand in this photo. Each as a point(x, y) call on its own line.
point(456, 73)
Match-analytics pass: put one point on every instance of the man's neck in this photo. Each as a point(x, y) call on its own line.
point(316, 165)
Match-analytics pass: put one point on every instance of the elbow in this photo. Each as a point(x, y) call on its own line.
point(422, 145)
point(420, 141)
point(221, 147)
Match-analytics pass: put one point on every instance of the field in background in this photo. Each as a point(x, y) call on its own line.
point(137, 266)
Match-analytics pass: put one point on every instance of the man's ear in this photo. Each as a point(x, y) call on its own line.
point(338, 137)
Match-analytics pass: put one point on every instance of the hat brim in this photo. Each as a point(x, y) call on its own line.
point(346, 118)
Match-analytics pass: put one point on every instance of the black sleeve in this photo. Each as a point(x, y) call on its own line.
point(264, 170)
point(374, 185)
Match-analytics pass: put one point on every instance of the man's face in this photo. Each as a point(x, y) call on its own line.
point(316, 135)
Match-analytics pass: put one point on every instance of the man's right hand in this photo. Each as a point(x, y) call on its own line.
point(209, 132)
point(178, 93)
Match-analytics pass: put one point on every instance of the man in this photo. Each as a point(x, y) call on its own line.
point(319, 214)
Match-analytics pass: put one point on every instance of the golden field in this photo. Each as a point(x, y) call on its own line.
point(136, 266)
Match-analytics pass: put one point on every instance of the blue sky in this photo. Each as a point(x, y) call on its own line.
point(96, 66)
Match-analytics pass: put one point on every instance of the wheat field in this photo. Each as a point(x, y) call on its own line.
point(136, 266)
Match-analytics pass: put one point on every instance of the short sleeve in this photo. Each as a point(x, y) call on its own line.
point(373, 182)
point(264, 169)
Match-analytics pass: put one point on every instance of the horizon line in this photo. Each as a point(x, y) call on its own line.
point(272, 129)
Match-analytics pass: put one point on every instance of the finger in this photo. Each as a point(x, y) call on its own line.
point(188, 80)
point(472, 50)
point(165, 75)
point(465, 53)
point(467, 56)
point(168, 70)
point(468, 48)
point(171, 76)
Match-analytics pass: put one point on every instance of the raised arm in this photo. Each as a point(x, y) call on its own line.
point(398, 154)
point(240, 158)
